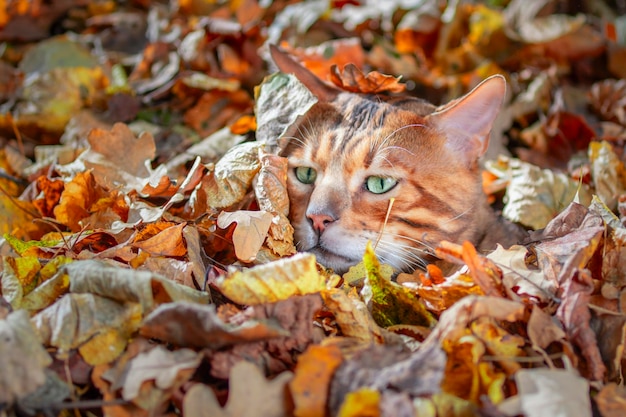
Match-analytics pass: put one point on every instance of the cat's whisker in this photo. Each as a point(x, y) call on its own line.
point(389, 136)
point(418, 241)
point(300, 142)
point(458, 216)
point(407, 255)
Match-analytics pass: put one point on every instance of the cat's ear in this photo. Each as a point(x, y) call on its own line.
point(321, 90)
point(467, 121)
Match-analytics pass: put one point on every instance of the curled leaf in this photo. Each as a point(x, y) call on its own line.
point(352, 79)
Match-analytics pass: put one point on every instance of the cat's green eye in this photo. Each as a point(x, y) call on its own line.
point(306, 175)
point(379, 185)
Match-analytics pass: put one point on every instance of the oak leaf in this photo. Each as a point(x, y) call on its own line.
point(250, 395)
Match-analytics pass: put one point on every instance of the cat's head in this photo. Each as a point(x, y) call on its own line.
point(351, 155)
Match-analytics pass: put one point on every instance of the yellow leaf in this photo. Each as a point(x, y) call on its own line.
point(389, 302)
point(274, 281)
point(361, 403)
point(104, 347)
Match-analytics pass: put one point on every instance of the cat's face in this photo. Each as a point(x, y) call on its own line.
point(399, 173)
point(349, 159)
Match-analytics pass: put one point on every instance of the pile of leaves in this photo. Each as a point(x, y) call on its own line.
point(148, 264)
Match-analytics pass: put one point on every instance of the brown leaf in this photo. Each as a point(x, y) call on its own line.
point(117, 157)
point(611, 400)
point(271, 194)
point(352, 79)
point(195, 325)
point(575, 315)
point(383, 367)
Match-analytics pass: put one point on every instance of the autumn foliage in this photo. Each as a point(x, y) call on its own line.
point(148, 264)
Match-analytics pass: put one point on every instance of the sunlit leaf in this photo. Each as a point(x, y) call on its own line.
point(279, 100)
point(272, 282)
point(535, 196)
point(364, 402)
point(389, 302)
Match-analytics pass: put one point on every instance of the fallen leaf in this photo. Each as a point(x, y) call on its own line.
point(361, 402)
point(279, 100)
point(250, 395)
point(22, 358)
point(352, 79)
point(232, 176)
point(249, 233)
point(611, 400)
point(608, 172)
point(553, 391)
point(312, 376)
point(202, 327)
point(168, 369)
point(389, 302)
point(272, 282)
point(168, 242)
point(535, 196)
point(352, 316)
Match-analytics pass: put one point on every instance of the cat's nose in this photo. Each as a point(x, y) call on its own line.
point(320, 221)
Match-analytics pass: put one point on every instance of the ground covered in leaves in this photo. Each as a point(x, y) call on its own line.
point(148, 266)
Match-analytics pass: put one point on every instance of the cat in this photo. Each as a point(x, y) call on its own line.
point(351, 153)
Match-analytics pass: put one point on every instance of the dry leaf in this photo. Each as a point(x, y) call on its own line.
point(535, 196)
point(608, 172)
point(168, 369)
point(196, 325)
point(352, 79)
point(22, 358)
point(250, 231)
point(168, 242)
point(272, 282)
point(611, 400)
point(250, 395)
point(553, 392)
point(312, 376)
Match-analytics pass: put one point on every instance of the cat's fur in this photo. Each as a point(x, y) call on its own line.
point(431, 152)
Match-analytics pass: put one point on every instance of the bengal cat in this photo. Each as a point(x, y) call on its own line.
point(350, 154)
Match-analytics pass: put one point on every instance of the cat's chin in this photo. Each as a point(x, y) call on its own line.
point(338, 263)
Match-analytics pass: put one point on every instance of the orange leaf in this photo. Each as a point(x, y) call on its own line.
point(51, 194)
point(76, 201)
point(168, 242)
point(313, 374)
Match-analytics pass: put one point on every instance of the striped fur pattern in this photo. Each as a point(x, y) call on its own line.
point(423, 158)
